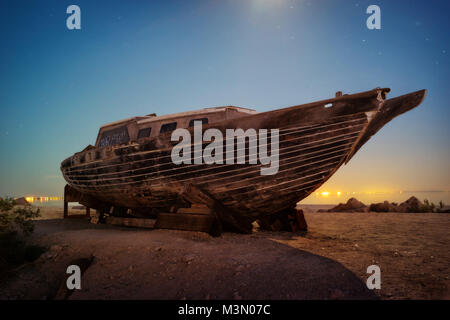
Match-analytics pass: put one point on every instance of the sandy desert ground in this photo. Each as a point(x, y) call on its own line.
point(327, 262)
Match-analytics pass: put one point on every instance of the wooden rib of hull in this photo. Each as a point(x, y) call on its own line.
point(314, 141)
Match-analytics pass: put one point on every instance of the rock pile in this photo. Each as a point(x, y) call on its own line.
point(411, 205)
point(383, 207)
point(352, 205)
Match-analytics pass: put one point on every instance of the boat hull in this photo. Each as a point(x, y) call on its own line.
point(314, 141)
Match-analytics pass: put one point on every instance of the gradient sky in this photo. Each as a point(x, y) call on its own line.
point(58, 86)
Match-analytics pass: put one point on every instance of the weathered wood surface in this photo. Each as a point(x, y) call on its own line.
point(189, 222)
point(131, 222)
point(221, 213)
point(299, 222)
point(390, 109)
point(291, 219)
point(73, 195)
point(196, 209)
point(307, 160)
point(314, 142)
point(66, 209)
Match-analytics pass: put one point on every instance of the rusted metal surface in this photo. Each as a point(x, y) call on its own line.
point(315, 140)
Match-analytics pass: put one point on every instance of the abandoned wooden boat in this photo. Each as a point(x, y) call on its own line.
point(130, 171)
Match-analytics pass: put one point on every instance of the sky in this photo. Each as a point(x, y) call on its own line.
point(58, 86)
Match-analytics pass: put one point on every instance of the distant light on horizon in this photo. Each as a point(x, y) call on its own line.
point(32, 199)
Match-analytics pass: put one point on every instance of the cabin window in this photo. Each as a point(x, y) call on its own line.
point(114, 136)
point(144, 133)
point(203, 120)
point(168, 127)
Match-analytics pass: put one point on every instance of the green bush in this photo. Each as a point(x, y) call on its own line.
point(15, 225)
point(14, 219)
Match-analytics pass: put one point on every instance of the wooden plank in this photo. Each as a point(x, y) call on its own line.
point(66, 209)
point(221, 213)
point(131, 222)
point(198, 206)
point(301, 221)
point(189, 222)
point(195, 209)
point(71, 195)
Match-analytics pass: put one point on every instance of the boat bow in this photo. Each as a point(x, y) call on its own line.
point(388, 110)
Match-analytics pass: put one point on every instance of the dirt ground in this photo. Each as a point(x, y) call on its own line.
point(327, 262)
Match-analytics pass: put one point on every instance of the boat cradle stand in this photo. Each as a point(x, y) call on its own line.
point(205, 214)
point(72, 195)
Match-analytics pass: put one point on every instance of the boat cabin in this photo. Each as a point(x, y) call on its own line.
point(137, 128)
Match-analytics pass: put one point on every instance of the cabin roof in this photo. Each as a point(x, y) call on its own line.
point(152, 117)
point(195, 113)
point(121, 121)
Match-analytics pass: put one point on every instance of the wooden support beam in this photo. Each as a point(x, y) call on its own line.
point(66, 203)
point(193, 194)
point(132, 222)
point(66, 209)
point(196, 209)
point(189, 222)
point(286, 220)
point(301, 222)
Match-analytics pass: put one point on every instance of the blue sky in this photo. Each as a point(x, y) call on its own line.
point(58, 86)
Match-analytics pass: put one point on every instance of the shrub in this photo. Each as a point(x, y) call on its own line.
point(15, 224)
point(14, 219)
point(427, 206)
